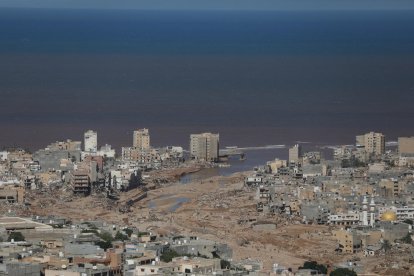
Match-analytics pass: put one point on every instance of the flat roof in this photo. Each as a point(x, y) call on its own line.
point(15, 223)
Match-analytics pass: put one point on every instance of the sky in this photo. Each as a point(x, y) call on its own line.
point(212, 4)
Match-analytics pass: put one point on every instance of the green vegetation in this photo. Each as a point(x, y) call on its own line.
point(90, 225)
point(128, 231)
point(168, 255)
point(106, 236)
point(343, 272)
point(224, 264)
point(407, 239)
point(315, 266)
point(120, 237)
point(386, 246)
point(409, 221)
point(104, 244)
point(106, 240)
point(16, 236)
point(90, 231)
point(143, 234)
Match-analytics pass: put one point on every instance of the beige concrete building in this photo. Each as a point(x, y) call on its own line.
point(141, 139)
point(349, 242)
point(277, 164)
point(142, 156)
point(372, 142)
point(180, 266)
point(390, 188)
point(295, 153)
point(11, 194)
point(406, 146)
point(204, 146)
point(405, 161)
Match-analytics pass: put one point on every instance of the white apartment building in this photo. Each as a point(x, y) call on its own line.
point(91, 141)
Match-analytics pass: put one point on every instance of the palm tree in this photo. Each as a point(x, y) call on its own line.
point(386, 246)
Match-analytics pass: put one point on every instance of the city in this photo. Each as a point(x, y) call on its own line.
point(206, 137)
point(73, 208)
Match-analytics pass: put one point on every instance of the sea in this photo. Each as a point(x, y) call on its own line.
point(256, 77)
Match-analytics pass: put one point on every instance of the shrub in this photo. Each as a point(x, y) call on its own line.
point(407, 239)
point(224, 264)
point(120, 237)
point(16, 236)
point(106, 240)
point(168, 255)
point(343, 272)
point(315, 266)
point(128, 231)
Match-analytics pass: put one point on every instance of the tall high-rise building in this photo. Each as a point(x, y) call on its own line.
point(372, 142)
point(141, 139)
point(295, 153)
point(204, 146)
point(91, 141)
point(406, 146)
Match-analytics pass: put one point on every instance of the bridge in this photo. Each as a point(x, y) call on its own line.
point(236, 151)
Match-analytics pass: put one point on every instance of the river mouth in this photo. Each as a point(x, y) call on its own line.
point(254, 158)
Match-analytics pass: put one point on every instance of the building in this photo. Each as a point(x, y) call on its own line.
point(390, 188)
point(276, 164)
point(295, 153)
point(106, 151)
point(51, 160)
point(204, 147)
point(3, 155)
point(141, 139)
point(68, 145)
point(372, 142)
point(349, 218)
point(11, 194)
point(91, 141)
point(157, 269)
point(24, 268)
point(393, 213)
point(11, 224)
point(406, 146)
point(348, 241)
point(81, 182)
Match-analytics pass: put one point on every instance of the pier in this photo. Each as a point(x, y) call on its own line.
point(236, 151)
